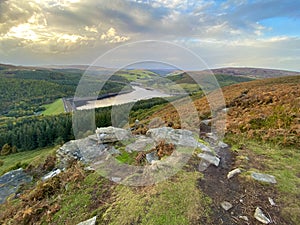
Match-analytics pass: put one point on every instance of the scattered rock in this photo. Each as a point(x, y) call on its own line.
point(112, 134)
point(91, 221)
point(51, 174)
point(234, 172)
point(11, 181)
point(89, 168)
point(209, 158)
point(260, 216)
point(271, 201)
point(221, 144)
point(116, 179)
point(263, 177)
point(152, 156)
point(226, 205)
point(206, 122)
point(244, 218)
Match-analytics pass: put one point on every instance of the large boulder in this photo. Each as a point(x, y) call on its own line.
point(11, 181)
point(85, 150)
point(112, 134)
point(177, 137)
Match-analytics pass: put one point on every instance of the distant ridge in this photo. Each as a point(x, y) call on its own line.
point(256, 73)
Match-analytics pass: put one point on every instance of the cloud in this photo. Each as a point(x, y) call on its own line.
point(111, 36)
point(85, 28)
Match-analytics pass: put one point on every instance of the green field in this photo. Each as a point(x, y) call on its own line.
point(22, 159)
point(54, 108)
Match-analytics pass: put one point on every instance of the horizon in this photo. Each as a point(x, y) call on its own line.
point(223, 33)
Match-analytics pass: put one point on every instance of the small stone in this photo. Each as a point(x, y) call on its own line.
point(260, 216)
point(271, 201)
point(244, 218)
point(263, 177)
point(233, 173)
point(51, 174)
point(221, 144)
point(209, 158)
point(152, 156)
point(91, 221)
point(116, 179)
point(89, 168)
point(226, 205)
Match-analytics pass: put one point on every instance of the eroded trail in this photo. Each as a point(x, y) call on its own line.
point(243, 195)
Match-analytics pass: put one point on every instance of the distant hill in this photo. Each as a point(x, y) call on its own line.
point(256, 73)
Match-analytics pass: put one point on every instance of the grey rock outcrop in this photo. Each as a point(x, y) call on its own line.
point(11, 181)
point(112, 134)
point(175, 136)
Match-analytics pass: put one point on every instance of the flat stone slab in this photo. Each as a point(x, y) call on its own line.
point(260, 216)
point(263, 177)
point(11, 181)
point(209, 158)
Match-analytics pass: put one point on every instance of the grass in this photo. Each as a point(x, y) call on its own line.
point(54, 108)
point(175, 201)
point(281, 162)
point(23, 159)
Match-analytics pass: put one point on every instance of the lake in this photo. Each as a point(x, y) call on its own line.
point(137, 94)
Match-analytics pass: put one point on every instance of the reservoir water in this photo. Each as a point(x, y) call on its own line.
point(137, 94)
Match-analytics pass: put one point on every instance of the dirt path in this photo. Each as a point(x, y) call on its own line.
point(244, 195)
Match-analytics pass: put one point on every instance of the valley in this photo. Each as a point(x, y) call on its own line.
point(261, 136)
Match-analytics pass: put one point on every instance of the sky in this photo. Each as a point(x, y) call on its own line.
point(223, 33)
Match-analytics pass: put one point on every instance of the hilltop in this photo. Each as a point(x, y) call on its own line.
point(262, 130)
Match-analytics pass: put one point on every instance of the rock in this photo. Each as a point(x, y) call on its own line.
point(221, 144)
point(206, 122)
point(141, 144)
point(263, 177)
point(85, 150)
point(234, 172)
point(89, 168)
point(203, 165)
point(11, 181)
point(51, 174)
point(226, 205)
point(213, 137)
point(152, 156)
point(271, 201)
point(116, 179)
point(244, 218)
point(209, 158)
point(91, 221)
point(259, 215)
point(175, 136)
point(205, 148)
point(113, 151)
point(112, 134)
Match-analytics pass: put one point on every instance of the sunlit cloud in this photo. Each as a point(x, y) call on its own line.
point(227, 32)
